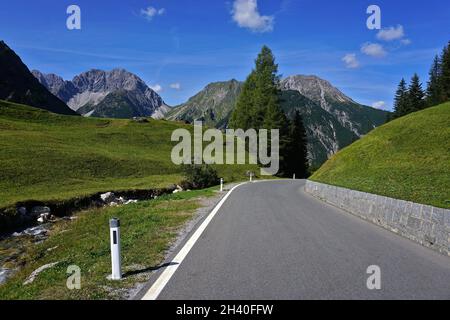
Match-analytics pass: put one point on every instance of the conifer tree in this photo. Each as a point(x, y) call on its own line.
point(445, 74)
point(434, 87)
point(416, 96)
point(259, 105)
point(242, 117)
point(297, 152)
point(400, 101)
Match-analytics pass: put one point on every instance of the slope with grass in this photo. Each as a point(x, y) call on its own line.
point(50, 157)
point(407, 159)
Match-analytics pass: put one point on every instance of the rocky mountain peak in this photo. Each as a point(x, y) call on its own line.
point(121, 89)
point(316, 89)
point(100, 81)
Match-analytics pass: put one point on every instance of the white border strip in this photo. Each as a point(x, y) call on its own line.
point(164, 278)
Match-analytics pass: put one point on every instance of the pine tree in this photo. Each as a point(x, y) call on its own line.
point(258, 105)
point(416, 96)
point(400, 101)
point(297, 153)
point(445, 74)
point(242, 117)
point(434, 88)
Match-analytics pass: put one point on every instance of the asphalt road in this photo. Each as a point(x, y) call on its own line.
point(270, 240)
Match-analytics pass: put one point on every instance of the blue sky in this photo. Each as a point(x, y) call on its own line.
point(179, 46)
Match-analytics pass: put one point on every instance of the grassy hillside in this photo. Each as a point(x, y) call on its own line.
point(408, 159)
point(45, 156)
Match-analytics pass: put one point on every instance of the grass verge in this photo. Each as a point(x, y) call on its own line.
point(148, 229)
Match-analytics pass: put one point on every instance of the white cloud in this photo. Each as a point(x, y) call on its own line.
point(391, 33)
point(351, 61)
point(246, 15)
point(379, 105)
point(373, 49)
point(176, 86)
point(405, 42)
point(157, 88)
point(151, 12)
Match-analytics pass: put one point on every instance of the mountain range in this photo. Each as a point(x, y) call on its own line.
point(108, 94)
point(333, 120)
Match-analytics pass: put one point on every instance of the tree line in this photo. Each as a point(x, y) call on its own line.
point(259, 107)
point(414, 98)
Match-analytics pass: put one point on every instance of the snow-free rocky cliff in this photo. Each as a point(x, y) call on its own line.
point(116, 94)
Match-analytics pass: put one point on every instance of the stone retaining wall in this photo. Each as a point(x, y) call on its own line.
point(427, 225)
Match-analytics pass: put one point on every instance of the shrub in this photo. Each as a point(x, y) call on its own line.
point(200, 176)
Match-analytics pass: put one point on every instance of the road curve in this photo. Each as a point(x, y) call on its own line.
point(270, 240)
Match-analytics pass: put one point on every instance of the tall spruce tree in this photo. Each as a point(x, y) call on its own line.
point(445, 74)
point(400, 101)
point(434, 87)
point(258, 106)
point(242, 117)
point(416, 96)
point(297, 152)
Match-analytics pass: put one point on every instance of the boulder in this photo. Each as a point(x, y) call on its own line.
point(108, 197)
point(44, 217)
point(178, 189)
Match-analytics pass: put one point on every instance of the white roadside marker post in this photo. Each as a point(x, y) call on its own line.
point(114, 227)
point(294, 176)
point(251, 176)
point(221, 184)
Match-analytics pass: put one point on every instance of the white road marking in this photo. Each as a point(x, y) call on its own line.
point(164, 278)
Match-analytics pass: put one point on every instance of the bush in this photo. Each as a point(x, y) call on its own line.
point(200, 176)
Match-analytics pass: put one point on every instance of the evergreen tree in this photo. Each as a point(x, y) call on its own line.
point(416, 96)
point(400, 101)
point(258, 106)
point(434, 88)
point(297, 153)
point(445, 74)
point(438, 88)
point(242, 117)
